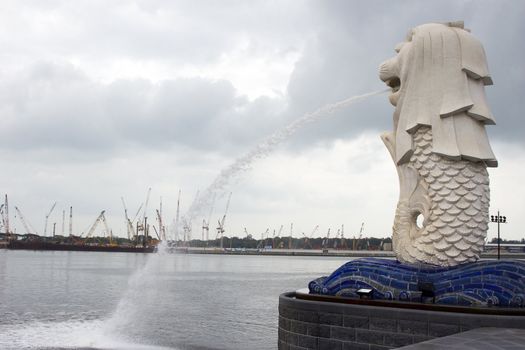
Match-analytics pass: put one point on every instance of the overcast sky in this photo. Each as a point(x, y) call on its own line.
point(101, 99)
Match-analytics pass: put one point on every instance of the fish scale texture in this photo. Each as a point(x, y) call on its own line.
point(458, 196)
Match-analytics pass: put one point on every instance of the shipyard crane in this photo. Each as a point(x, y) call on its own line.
point(356, 242)
point(306, 241)
point(63, 223)
point(162, 227)
point(336, 237)
point(206, 224)
point(290, 240)
point(263, 239)
point(70, 221)
point(2, 215)
point(156, 232)
point(161, 234)
point(307, 238)
point(108, 231)
point(129, 224)
point(99, 218)
point(273, 236)
point(278, 235)
point(325, 241)
point(5, 217)
point(186, 227)
point(343, 241)
point(220, 229)
point(137, 213)
point(47, 217)
point(142, 225)
point(187, 221)
point(177, 218)
point(205, 228)
point(27, 225)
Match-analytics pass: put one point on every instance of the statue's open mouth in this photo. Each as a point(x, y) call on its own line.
point(394, 83)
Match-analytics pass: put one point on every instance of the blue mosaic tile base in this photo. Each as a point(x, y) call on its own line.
point(492, 282)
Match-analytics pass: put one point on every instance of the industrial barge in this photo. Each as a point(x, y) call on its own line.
point(42, 245)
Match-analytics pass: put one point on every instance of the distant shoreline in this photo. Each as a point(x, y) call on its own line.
point(320, 253)
point(275, 252)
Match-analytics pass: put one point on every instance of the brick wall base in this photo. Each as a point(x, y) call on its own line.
point(320, 325)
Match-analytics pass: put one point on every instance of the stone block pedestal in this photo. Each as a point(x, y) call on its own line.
point(324, 323)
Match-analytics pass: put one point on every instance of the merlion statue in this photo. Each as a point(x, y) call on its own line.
point(439, 144)
point(441, 151)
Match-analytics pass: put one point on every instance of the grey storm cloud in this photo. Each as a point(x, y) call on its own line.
point(54, 104)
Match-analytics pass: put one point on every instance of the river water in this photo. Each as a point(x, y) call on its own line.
point(92, 300)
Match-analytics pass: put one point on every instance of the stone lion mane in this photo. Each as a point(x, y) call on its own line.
point(443, 74)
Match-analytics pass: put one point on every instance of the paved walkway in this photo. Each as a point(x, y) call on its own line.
point(476, 339)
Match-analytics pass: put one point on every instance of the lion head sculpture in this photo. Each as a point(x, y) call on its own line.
point(438, 79)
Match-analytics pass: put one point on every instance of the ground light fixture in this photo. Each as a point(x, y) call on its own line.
point(365, 293)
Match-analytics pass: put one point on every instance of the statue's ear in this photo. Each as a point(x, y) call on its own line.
point(473, 59)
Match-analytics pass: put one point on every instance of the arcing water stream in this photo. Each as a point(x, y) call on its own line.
point(125, 309)
point(217, 188)
point(263, 149)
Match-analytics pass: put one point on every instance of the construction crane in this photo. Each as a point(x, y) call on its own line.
point(47, 217)
point(336, 237)
point(142, 225)
point(278, 235)
point(206, 224)
point(177, 218)
point(5, 218)
point(325, 241)
point(263, 238)
point(343, 241)
point(161, 234)
point(27, 225)
point(129, 224)
point(156, 232)
point(70, 221)
point(355, 243)
point(220, 228)
point(2, 215)
point(162, 227)
point(290, 240)
point(63, 223)
point(307, 238)
point(100, 218)
point(188, 221)
point(108, 231)
point(186, 227)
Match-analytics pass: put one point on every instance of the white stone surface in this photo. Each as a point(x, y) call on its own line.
point(439, 144)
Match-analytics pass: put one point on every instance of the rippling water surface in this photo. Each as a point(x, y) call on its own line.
point(91, 300)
